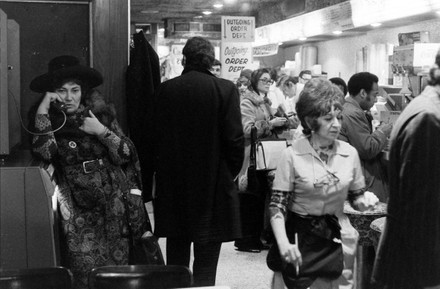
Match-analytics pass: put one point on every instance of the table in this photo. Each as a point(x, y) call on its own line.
point(368, 240)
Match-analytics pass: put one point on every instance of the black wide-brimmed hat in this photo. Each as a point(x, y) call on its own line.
point(65, 67)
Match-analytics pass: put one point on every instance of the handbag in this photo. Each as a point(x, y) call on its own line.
point(321, 255)
point(268, 152)
point(146, 249)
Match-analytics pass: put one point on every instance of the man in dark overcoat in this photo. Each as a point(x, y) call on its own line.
point(198, 150)
point(409, 249)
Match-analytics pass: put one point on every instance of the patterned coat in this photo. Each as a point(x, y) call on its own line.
point(92, 213)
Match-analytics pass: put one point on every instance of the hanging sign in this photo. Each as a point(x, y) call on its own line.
point(238, 29)
point(235, 57)
point(265, 50)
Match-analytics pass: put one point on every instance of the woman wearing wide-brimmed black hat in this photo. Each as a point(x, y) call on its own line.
point(95, 167)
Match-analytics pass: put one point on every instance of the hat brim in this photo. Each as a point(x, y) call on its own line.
point(86, 74)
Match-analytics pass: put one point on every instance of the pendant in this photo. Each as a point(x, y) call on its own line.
point(72, 144)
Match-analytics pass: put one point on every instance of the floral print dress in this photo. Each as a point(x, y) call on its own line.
point(94, 229)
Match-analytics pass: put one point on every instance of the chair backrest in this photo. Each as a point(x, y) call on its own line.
point(36, 278)
point(140, 276)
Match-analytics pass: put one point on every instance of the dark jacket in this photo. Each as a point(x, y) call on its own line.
point(199, 151)
point(143, 77)
point(409, 252)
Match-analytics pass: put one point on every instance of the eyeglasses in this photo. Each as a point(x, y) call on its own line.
point(266, 81)
point(245, 84)
point(326, 180)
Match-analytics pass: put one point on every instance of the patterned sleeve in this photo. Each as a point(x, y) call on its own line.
point(119, 149)
point(279, 201)
point(44, 145)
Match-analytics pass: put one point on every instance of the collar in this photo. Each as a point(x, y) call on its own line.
point(254, 97)
point(189, 68)
point(302, 147)
point(353, 102)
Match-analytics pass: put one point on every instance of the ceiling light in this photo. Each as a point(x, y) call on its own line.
point(150, 11)
point(218, 6)
point(438, 12)
point(377, 24)
point(207, 12)
point(198, 16)
point(280, 43)
point(337, 32)
point(302, 38)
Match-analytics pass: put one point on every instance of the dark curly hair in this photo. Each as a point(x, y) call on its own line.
point(199, 53)
point(434, 73)
point(317, 98)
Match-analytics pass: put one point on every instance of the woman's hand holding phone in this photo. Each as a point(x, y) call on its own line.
point(48, 98)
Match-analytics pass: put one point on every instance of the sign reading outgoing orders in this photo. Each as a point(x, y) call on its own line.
point(238, 29)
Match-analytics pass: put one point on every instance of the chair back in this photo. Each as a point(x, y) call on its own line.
point(36, 278)
point(140, 276)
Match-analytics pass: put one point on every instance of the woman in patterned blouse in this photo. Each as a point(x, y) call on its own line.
point(313, 179)
point(96, 168)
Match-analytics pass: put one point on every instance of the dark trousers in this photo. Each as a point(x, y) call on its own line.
point(205, 258)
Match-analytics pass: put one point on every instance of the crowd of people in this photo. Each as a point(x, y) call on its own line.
point(201, 145)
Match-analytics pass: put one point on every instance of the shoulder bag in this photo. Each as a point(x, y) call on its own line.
point(143, 251)
point(268, 151)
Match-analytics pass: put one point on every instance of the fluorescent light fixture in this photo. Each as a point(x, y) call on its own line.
point(377, 24)
point(207, 12)
point(198, 16)
point(150, 11)
point(218, 6)
point(302, 38)
point(337, 32)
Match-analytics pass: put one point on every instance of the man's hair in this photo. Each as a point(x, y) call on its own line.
point(361, 80)
point(304, 72)
point(199, 53)
point(216, 62)
point(315, 100)
point(341, 82)
point(283, 79)
point(434, 72)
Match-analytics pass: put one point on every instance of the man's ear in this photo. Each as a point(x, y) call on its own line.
point(183, 60)
point(363, 93)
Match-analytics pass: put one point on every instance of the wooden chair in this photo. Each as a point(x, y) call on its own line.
point(140, 276)
point(36, 278)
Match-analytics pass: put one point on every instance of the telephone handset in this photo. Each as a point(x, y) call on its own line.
point(58, 105)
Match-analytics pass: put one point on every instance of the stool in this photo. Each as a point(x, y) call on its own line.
point(377, 227)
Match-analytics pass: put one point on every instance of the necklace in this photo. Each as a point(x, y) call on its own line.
point(324, 152)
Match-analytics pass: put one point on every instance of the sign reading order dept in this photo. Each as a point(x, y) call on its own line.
point(238, 29)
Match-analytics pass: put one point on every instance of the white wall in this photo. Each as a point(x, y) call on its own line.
point(338, 56)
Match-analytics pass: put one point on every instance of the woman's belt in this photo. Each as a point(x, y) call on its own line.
point(325, 226)
point(88, 166)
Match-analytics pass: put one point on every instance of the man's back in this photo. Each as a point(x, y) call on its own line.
point(199, 150)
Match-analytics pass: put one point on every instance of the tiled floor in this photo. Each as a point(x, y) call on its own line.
point(238, 270)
